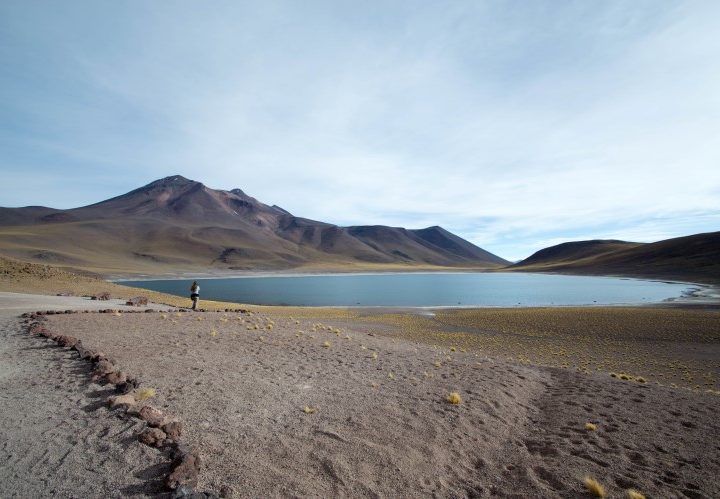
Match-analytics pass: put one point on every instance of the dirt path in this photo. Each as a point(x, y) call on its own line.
point(57, 439)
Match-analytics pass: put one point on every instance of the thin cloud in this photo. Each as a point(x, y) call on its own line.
point(510, 124)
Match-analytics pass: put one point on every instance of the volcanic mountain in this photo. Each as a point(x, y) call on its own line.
point(695, 258)
point(175, 224)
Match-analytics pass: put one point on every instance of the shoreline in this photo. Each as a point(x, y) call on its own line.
point(696, 294)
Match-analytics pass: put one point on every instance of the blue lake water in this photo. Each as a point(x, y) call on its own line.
point(426, 290)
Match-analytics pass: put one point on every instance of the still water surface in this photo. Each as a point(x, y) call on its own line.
point(426, 290)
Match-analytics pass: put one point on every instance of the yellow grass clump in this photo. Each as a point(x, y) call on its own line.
point(309, 410)
point(594, 487)
point(145, 393)
point(213, 333)
point(374, 355)
point(590, 426)
point(326, 344)
point(634, 494)
point(454, 398)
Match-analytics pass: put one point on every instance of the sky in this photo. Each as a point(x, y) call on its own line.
point(514, 124)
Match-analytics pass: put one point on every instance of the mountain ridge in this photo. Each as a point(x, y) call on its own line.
point(182, 222)
point(695, 257)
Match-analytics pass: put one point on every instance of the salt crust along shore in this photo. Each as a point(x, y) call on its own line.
point(378, 422)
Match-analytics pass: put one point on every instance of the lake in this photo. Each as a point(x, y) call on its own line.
point(425, 290)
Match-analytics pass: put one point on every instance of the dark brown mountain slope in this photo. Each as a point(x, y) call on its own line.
point(175, 224)
point(695, 257)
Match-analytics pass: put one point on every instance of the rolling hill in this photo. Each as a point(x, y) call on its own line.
point(695, 257)
point(179, 225)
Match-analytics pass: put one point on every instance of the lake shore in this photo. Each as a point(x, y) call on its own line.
point(375, 385)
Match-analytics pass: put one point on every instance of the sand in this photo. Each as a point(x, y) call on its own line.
point(56, 438)
point(378, 422)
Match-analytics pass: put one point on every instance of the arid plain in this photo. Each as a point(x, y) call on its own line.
point(282, 401)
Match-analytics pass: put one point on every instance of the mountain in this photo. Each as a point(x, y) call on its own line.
point(570, 252)
point(695, 257)
point(176, 224)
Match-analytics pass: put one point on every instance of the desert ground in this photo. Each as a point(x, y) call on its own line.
point(301, 402)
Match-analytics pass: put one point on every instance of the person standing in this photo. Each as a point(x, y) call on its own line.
point(194, 294)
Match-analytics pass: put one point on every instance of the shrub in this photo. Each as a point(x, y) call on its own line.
point(594, 487)
point(145, 393)
point(454, 398)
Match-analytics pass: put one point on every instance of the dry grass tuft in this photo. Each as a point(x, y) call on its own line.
point(590, 426)
point(213, 333)
point(309, 410)
point(145, 394)
point(634, 494)
point(594, 487)
point(374, 355)
point(454, 398)
point(326, 344)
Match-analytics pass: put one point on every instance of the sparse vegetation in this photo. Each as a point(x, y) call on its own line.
point(590, 426)
point(594, 487)
point(634, 494)
point(454, 398)
point(145, 394)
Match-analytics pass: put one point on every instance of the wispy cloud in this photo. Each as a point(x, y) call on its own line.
point(513, 124)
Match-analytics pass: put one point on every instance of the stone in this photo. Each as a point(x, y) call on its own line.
point(66, 341)
point(173, 430)
point(154, 437)
point(116, 377)
point(97, 356)
point(186, 469)
point(103, 367)
point(127, 400)
point(129, 385)
point(84, 353)
point(138, 301)
point(189, 493)
point(154, 417)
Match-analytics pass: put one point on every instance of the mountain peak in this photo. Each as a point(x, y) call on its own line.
point(171, 181)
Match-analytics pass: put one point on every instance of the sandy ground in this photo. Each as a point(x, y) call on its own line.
point(378, 423)
point(56, 439)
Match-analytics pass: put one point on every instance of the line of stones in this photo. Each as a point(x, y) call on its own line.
point(163, 431)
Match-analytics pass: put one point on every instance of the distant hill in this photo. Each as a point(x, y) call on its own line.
point(175, 224)
point(695, 257)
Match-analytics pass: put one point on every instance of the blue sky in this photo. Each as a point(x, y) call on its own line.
point(514, 124)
